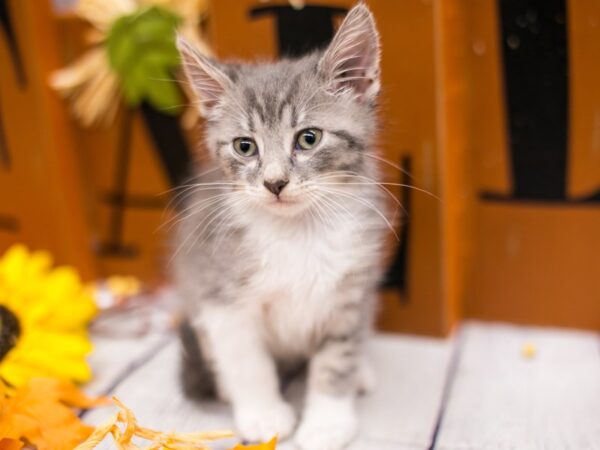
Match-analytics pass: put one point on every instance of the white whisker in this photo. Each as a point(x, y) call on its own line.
point(366, 203)
point(195, 209)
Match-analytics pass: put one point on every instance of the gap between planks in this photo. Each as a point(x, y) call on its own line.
point(399, 414)
point(498, 399)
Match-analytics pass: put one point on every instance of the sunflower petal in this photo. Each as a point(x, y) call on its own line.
point(53, 309)
point(15, 373)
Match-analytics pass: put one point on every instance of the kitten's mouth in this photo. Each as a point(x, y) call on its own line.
point(285, 205)
point(283, 201)
point(279, 202)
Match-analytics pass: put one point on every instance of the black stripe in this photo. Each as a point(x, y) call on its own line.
point(287, 99)
point(251, 126)
point(232, 71)
point(352, 141)
point(294, 119)
point(270, 107)
point(254, 105)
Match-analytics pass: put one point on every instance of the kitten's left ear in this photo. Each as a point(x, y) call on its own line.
point(351, 62)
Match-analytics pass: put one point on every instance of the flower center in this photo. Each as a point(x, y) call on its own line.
point(10, 329)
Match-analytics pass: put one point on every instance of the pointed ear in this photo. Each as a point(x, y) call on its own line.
point(206, 79)
point(351, 62)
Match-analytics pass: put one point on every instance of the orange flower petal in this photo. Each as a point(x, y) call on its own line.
point(10, 444)
point(39, 413)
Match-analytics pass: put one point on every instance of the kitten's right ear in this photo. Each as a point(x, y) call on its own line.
point(206, 79)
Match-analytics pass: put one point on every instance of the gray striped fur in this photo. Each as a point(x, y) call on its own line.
point(273, 278)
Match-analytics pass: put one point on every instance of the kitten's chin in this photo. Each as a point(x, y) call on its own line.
point(285, 207)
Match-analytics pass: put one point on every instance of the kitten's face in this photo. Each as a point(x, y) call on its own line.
point(289, 133)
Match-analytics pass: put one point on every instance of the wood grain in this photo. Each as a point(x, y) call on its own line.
point(498, 398)
point(114, 360)
point(502, 400)
point(399, 414)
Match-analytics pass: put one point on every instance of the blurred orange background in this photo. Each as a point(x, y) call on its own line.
point(483, 250)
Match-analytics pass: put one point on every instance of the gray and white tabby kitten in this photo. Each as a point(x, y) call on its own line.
point(279, 250)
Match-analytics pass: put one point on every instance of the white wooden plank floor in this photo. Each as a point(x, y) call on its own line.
point(501, 400)
point(114, 360)
point(472, 391)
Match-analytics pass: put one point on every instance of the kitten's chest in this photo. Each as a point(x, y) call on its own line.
point(295, 284)
point(303, 263)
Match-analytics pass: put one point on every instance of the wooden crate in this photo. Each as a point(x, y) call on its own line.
point(490, 249)
point(535, 246)
point(41, 195)
point(495, 247)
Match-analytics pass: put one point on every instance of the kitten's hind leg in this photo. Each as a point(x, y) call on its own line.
point(247, 374)
point(197, 378)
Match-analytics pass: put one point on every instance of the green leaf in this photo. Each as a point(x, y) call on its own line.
point(161, 91)
point(165, 97)
point(142, 52)
point(134, 85)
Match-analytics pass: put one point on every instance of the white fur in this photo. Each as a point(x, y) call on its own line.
point(282, 314)
point(300, 266)
point(260, 412)
point(329, 422)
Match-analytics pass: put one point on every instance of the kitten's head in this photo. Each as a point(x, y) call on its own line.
point(289, 132)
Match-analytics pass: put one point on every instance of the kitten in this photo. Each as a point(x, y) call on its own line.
point(279, 250)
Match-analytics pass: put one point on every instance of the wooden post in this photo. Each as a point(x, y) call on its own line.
point(41, 192)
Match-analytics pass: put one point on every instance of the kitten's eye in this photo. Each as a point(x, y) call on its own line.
point(308, 139)
point(245, 146)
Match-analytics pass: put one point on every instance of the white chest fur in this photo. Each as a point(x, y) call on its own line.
point(294, 286)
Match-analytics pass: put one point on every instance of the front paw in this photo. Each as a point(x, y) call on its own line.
point(261, 422)
point(327, 428)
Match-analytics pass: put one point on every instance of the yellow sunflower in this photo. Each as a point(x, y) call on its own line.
point(43, 317)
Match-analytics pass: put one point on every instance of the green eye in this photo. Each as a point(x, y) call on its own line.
point(245, 146)
point(307, 139)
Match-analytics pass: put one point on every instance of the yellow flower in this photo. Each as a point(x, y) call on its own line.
point(43, 317)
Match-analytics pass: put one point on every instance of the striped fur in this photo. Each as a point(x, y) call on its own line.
point(271, 279)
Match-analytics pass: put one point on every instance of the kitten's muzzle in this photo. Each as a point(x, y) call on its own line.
point(276, 187)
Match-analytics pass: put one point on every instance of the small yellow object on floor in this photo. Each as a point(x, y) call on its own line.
point(528, 350)
point(125, 286)
point(123, 427)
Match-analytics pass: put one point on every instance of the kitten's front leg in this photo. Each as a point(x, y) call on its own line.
point(248, 375)
point(329, 421)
